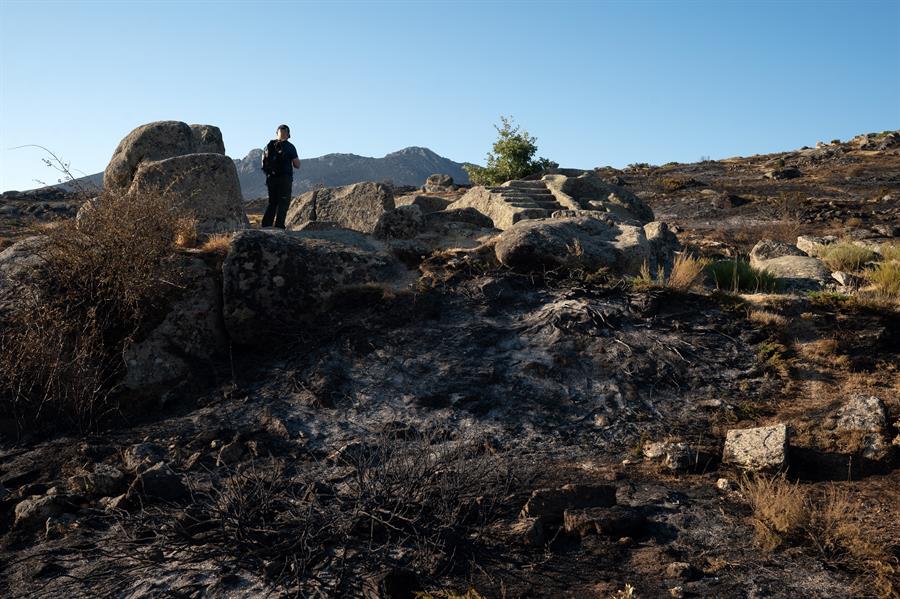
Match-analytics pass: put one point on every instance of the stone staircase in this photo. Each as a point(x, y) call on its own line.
point(511, 202)
point(528, 195)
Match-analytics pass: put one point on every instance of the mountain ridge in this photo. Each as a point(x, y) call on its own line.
point(407, 166)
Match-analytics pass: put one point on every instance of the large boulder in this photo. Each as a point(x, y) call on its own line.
point(797, 273)
point(766, 249)
point(358, 206)
point(582, 242)
point(153, 141)
point(190, 338)
point(275, 282)
point(207, 184)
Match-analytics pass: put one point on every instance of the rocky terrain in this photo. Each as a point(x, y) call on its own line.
point(556, 387)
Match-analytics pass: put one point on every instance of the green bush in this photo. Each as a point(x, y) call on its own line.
point(846, 256)
point(512, 157)
point(738, 276)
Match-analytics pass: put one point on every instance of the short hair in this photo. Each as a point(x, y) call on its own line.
point(283, 127)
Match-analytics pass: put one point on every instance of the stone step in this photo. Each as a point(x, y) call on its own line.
point(527, 184)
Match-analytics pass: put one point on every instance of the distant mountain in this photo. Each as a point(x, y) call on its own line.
point(409, 166)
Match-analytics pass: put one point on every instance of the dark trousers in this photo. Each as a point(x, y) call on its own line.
point(279, 200)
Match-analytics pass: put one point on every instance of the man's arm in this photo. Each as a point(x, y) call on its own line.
point(296, 162)
point(295, 159)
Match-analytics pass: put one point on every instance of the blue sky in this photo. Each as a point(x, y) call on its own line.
point(596, 82)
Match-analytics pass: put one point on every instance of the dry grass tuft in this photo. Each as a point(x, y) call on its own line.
point(187, 234)
point(780, 509)
point(841, 537)
point(217, 243)
point(687, 271)
point(784, 511)
point(767, 319)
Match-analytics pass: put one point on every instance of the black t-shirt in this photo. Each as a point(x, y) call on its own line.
point(283, 154)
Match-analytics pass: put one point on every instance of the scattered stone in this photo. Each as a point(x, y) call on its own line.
point(783, 173)
point(674, 456)
point(58, 526)
point(724, 485)
point(103, 481)
point(757, 449)
point(866, 419)
point(616, 521)
point(529, 530)
point(34, 511)
point(845, 279)
point(112, 504)
point(679, 570)
point(139, 456)
point(552, 503)
point(676, 592)
point(159, 482)
point(230, 453)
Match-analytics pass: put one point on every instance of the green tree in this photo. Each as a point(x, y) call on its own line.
point(512, 157)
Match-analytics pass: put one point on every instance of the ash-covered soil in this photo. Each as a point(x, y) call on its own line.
point(422, 441)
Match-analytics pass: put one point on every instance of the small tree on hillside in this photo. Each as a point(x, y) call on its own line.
point(512, 158)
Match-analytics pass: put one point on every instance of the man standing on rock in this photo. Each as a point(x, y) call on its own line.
point(279, 161)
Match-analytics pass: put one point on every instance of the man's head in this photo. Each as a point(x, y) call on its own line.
point(282, 133)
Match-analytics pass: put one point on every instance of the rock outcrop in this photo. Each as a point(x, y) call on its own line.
point(274, 282)
point(358, 207)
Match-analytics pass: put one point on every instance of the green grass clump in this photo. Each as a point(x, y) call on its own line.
point(886, 279)
point(846, 256)
point(738, 276)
